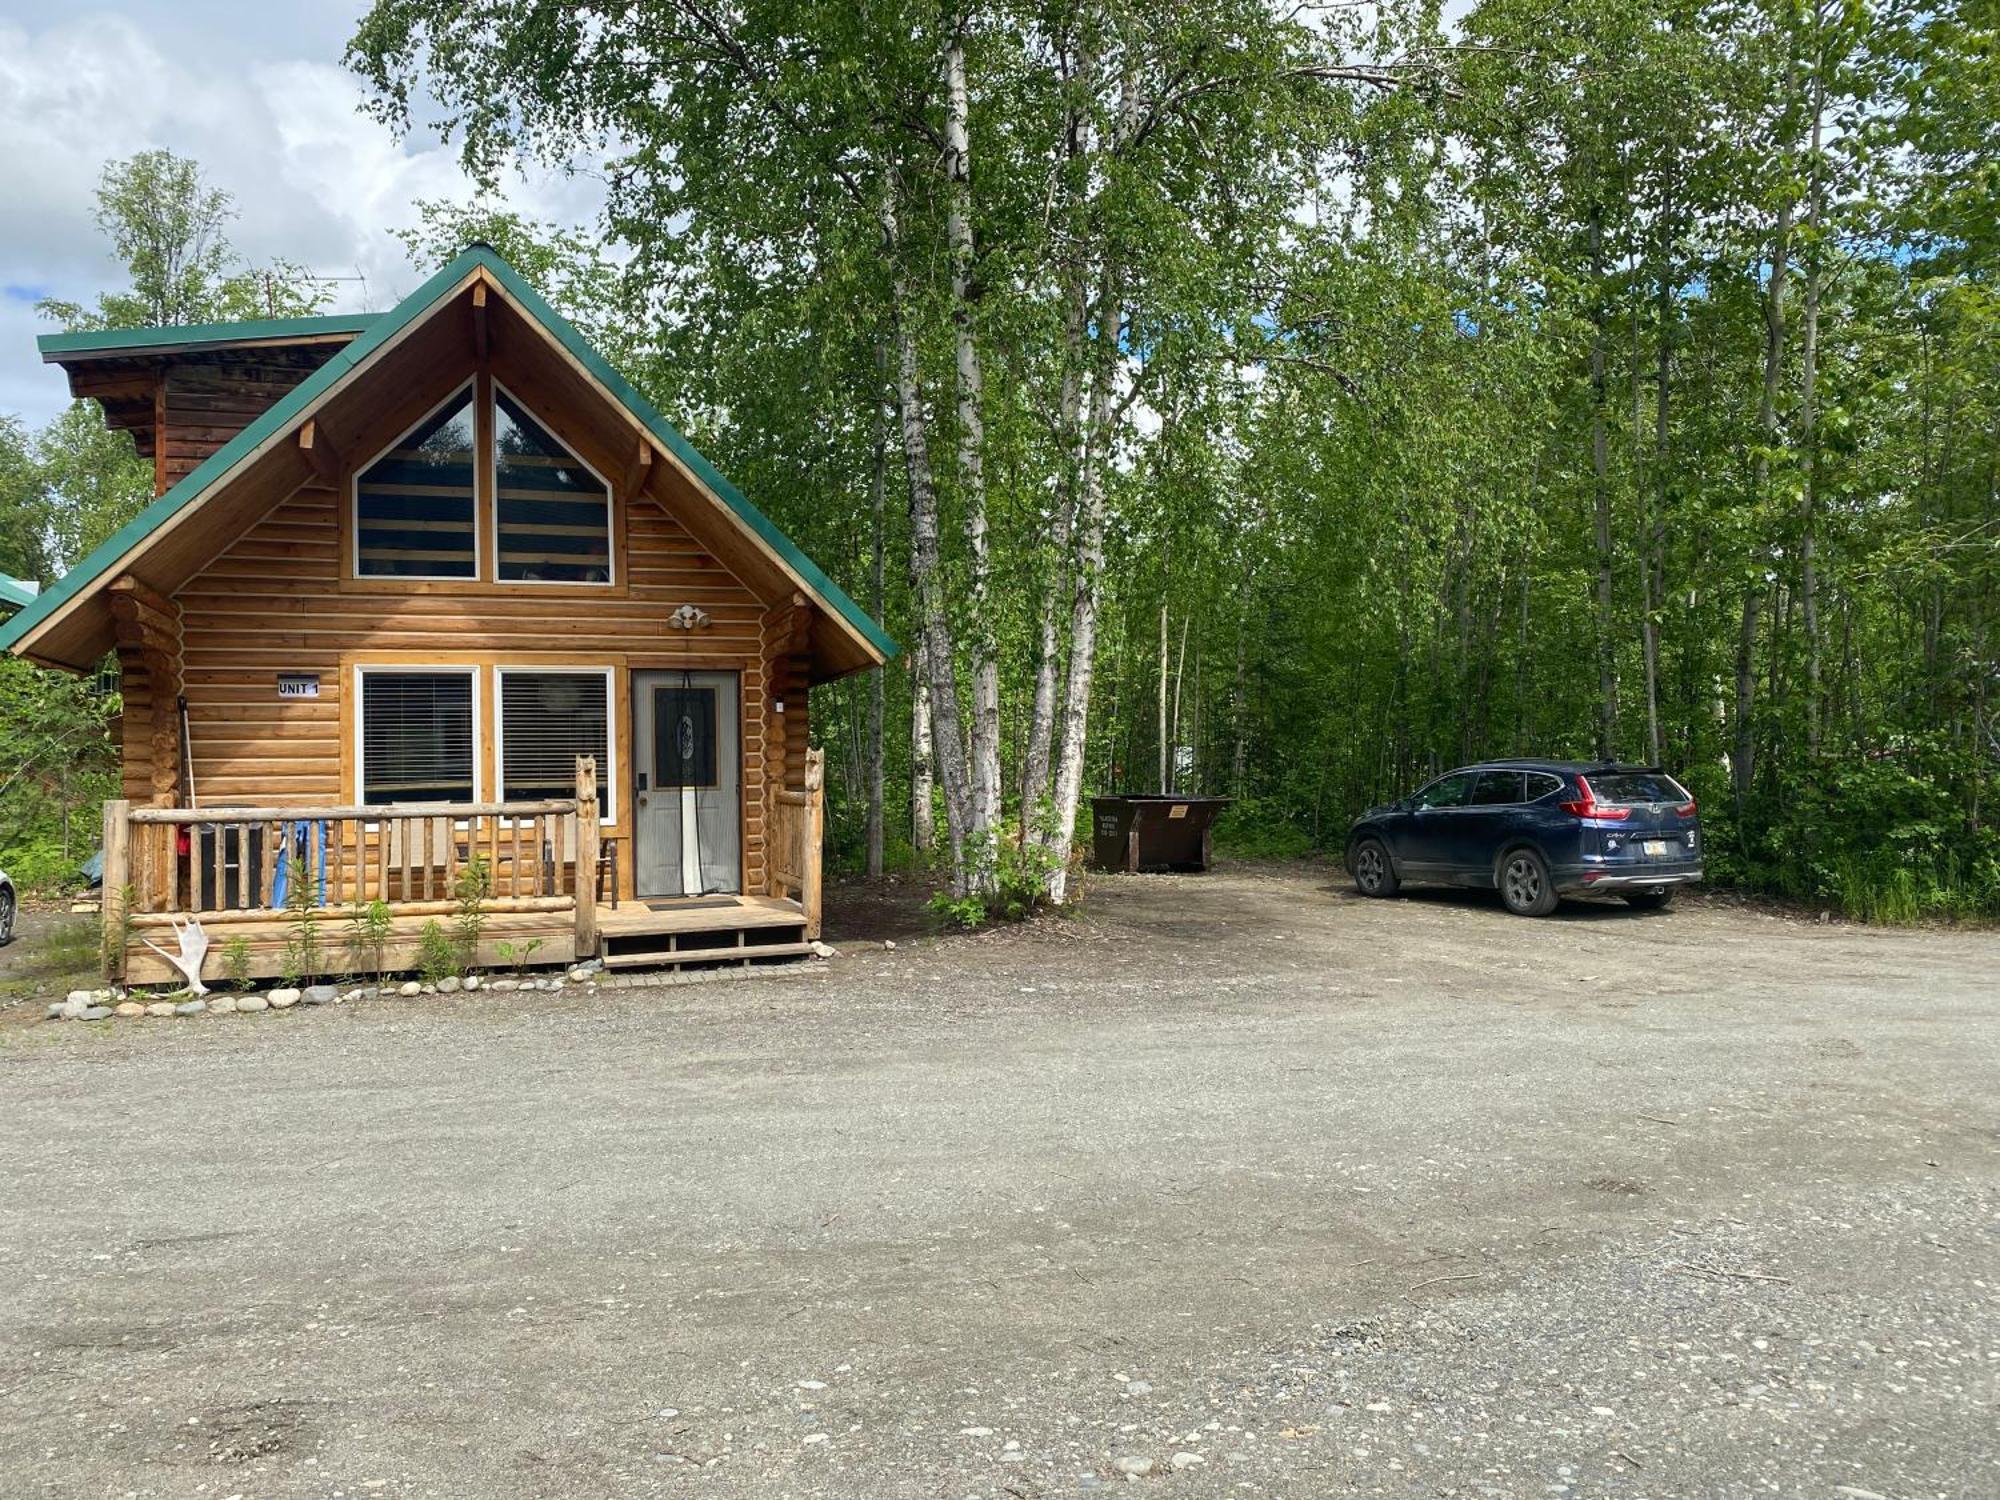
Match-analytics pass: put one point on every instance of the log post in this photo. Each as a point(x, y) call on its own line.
point(586, 856)
point(117, 880)
point(815, 838)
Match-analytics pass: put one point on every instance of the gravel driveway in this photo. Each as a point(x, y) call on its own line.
point(1236, 1183)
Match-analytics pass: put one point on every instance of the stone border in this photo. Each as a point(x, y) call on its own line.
point(587, 978)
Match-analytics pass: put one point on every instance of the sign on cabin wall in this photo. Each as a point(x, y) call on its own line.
point(298, 684)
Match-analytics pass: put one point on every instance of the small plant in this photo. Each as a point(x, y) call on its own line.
point(303, 954)
point(369, 928)
point(117, 931)
point(1018, 872)
point(437, 955)
point(520, 956)
point(469, 891)
point(236, 962)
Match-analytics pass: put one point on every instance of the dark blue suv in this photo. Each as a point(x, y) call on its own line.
point(1535, 830)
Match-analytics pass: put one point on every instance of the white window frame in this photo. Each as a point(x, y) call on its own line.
point(354, 501)
point(607, 774)
point(493, 501)
point(410, 669)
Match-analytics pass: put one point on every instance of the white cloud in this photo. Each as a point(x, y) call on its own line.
point(257, 95)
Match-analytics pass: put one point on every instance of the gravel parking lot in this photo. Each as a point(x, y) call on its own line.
point(1237, 1185)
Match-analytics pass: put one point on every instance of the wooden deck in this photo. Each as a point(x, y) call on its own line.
point(709, 929)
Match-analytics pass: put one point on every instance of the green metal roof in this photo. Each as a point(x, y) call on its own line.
point(112, 342)
point(17, 593)
point(375, 331)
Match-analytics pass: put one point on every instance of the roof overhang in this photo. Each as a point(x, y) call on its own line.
point(413, 348)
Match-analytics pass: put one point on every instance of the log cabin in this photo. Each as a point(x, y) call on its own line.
point(433, 602)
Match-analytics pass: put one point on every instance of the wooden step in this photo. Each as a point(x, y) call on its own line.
point(735, 953)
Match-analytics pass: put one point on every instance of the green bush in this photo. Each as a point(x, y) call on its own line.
point(1020, 884)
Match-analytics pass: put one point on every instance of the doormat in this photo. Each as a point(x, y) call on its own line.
point(683, 903)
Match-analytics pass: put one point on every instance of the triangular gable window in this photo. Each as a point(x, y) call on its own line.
point(554, 512)
point(414, 506)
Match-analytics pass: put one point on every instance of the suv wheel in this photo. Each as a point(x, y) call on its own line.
point(1525, 885)
point(6, 916)
point(1374, 875)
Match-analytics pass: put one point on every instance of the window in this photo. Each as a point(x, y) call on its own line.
point(548, 719)
point(1636, 786)
point(1497, 789)
point(416, 737)
point(553, 513)
point(1541, 784)
point(414, 506)
point(1446, 791)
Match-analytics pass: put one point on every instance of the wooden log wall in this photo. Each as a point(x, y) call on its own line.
point(206, 401)
point(148, 629)
point(274, 602)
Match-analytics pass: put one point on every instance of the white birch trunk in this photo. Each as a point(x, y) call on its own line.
point(984, 807)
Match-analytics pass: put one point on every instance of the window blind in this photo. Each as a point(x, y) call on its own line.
point(548, 719)
point(416, 737)
point(413, 507)
point(554, 515)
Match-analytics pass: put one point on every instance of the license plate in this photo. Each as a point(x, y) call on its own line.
point(1656, 848)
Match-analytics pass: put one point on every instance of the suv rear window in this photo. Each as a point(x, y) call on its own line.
point(1617, 787)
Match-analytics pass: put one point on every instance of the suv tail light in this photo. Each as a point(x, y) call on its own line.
point(1586, 805)
point(1686, 809)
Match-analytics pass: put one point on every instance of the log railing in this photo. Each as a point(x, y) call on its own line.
point(250, 865)
point(798, 837)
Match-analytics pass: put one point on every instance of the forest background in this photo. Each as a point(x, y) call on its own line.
point(1284, 401)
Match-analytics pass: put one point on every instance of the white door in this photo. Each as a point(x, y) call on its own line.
point(687, 802)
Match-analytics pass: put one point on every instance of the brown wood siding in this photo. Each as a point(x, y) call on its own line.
point(204, 401)
point(273, 601)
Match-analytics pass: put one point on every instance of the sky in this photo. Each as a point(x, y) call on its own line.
point(253, 90)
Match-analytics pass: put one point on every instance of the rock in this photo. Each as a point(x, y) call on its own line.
point(579, 974)
point(821, 950)
point(191, 1007)
point(1134, 1465)
point(160, 1010)
point(889, 945)
point(1138, 1388)
point(410, 987)
point(356, 994)
point(284, 999)
point(816, 1437)
point(472, 981)
point(253, 1002)
point(449, 985)
point(81, 998)
point(94, 1013)
point(129, 1009)
point(504, 986)
point(56, 1012)
point(1188, 1460)
point(320, 994)
point(975, 1432)
point(223, 1005)
point(429, 989)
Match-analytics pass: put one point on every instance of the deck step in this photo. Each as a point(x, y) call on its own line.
point(734, 953)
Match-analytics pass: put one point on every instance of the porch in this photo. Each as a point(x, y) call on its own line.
point(320, 890)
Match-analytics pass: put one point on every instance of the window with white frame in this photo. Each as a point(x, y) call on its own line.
point(552, 513)
point(547, 719)
point(417, 742)
point(415, 505)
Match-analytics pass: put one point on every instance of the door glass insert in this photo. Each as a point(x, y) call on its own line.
point(684, 737)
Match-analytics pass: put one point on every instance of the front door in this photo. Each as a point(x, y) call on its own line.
point(687, 826)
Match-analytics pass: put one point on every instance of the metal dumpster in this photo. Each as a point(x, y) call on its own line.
point(1146, 831)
